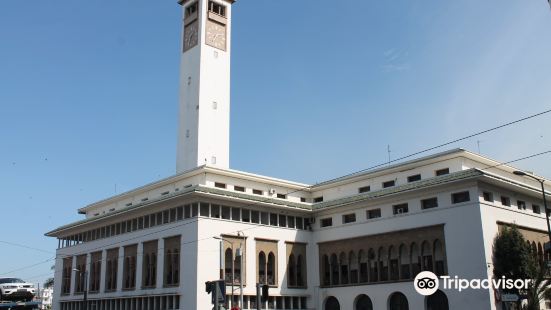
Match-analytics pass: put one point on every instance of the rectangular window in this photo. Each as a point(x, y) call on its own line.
point(173, 215)
point(300, 224)
point(264, 218)
point(111, 269)
point(364, 189)
point(236, 214)
point(282, 220)
point(400, 209)
point(442, 172)
point(159, 220)
point(318, 199)
point(194, 209)
point(326, 222)
point(66, 275)
point(149, 264)
point(80, 276)
point(187, 211)
point(140, 223)
point(219, 185)
point(488, 196)
point(389, 184)
point(239, 188)
point(204, 209)
point(255, 217)
point(95, 271)
point(291, 221)
point(257, 192)
point(281, 196)
point(215, 211)
point(302, 199)
point(129, 267)
point(172, 261)
point(521, 205)
point(536, 209)
point(349, 218)
point(217, 8)
point(273, 219)
point(246, 215)
point(166, 216)
point(374, 213)
point(414, 178)
point(180, 213)
point(429, 203)
point(461, 197)
point(506, 201)
point(226, 212)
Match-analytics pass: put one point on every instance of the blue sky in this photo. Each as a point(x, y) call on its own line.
point(89, 95)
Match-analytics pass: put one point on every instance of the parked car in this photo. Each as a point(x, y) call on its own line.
point(16, 289)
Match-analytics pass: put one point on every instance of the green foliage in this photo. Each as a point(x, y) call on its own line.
point(49, 283)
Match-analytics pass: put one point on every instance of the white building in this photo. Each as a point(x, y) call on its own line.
point(351, 243)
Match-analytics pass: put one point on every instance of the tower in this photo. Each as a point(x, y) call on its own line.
point(204, 117)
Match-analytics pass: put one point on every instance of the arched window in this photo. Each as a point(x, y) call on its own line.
point(262, 267)
point(426, 253)
point(334, 270)
point(439, 267)
point(228, 263)
point(326, 270)
point(540, 254)
point(437, 301)
point(291, 267)
point(383, 264)
point(393, 263)
point(343, 263)
point(404, 263)
point(415, 260)
point(270, 270)
point(300, 268)
point(363, 302)
point(331, 303)
point(353, 263)
point(398, 301)
point(364, 269)
point(373, 268)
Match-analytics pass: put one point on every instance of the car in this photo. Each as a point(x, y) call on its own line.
point(16, 289)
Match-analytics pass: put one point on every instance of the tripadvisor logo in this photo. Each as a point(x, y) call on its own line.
point(426, 283)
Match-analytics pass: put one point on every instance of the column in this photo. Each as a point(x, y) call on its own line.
point(120, 268)
point(139, 267)
point(160, 262)
point(73, 274)
point(103, 270)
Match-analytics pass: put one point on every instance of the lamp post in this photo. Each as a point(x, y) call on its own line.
point(241, 269)
point(541, 181)
point(85, 298)
point(232, 267)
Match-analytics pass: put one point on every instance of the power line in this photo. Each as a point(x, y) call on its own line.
point(27, 267)
point(26, 247)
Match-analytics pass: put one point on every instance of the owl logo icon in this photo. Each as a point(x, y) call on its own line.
point(426, 283)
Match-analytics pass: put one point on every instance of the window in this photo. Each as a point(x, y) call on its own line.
point(264, 216)
point(442, 172)
point(217, 8)
point(282, 220)
point(255, 217)
point(506, 201)
point(302, 199)
point(204, 209)
point(281, 196)
point(246, 215)
point(219, 185)
point(375, 213)
point(172, 261)
point(129, 267)
point(191, 9)
point(414, 178)
point(349, 218)
point(66, 275)
point(299, 222)
point(149, 265)
point(80, 275)
point(389, 184)
point(239, 188)
point(401, 208)
point(429, 203)
point(226, 212)
point(536, 209)
point(273, 219)
point(291, 221)
point(111, 269)
point(95, 271)
point(521, 205)
point(488, 196)
point(236, 214)
point(215, 211)
point(326, 222)
point(460, 197)
point(364, 189)
point(318, 199)
point(257, 192)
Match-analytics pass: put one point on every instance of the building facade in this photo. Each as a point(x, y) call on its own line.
point(355, 242)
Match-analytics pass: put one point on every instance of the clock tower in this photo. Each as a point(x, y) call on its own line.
point(204, 117)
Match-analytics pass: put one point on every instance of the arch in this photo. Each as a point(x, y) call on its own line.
point(363, 302)
point(383, 264)
point(415, 259)
point(364, 269)
point(331, 303)
point(343, 270)
point(437, 301)
point(404, 262)
point(353, 266)
point(262, 267)
point(373, 268)
point(426, 254)
point(334, 270)
point(228, 263)
point(326, 270)
point(237, 268)
point(398, 301)
point(300, 268)
point(540, 254)
point(291, 268)
point(439, 266)
point(270, 270)
point(393, 263)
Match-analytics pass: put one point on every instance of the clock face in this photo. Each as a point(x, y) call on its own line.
point(191, 35)
point(216, 35)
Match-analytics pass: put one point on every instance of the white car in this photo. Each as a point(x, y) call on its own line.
point(16, 289)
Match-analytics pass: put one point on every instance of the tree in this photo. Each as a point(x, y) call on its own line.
point(49, 283)
point(514, 259)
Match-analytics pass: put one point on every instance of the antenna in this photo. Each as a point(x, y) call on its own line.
point(388, 150)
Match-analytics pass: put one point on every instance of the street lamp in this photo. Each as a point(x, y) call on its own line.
point(85, 298)
point(541, 181)
point(232, 266)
